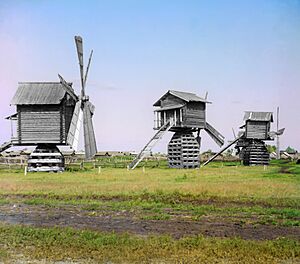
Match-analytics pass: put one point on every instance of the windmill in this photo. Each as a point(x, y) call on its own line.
point(183, 113)
point(84, 109)
point(250, 140)
point(49, 114)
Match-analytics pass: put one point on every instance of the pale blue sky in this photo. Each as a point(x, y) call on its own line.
point(246, 54)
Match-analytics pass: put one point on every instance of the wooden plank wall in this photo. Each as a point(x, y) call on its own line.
point(39, 124)
point(194, 115)
point(256, 129)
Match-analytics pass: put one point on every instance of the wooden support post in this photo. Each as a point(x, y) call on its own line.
point(160, 119)
point(25, 171)
point(175, 119)
point(99, 169)
point(180, 115)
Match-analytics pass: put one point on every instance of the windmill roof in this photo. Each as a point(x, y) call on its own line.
point(31, 93)
point(258, 116)
point(188, 97)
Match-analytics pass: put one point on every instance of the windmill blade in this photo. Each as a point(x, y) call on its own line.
point(68, 88)
point(79, 47)
point(272, 134)
point(206, 95)
point(88, 132)
point(234, 135)
point(280, 132)
point(87, 68)
point(92, 108)
point(73, 134)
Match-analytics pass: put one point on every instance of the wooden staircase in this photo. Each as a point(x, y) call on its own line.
point(214, 134)
point(5, 146)
point(147, 149)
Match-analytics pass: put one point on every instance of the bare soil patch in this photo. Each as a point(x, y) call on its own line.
point(127, 221)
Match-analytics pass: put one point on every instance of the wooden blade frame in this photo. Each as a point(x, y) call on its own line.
point(87, 68)
point(68, 88)
point(79, 47)
point(88, 132)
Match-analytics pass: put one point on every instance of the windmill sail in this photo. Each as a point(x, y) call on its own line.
point(88, 131)
point(73, 134)
point(79, 47)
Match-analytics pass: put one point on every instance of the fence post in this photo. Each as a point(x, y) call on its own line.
point(25, 171)
point(99, 169)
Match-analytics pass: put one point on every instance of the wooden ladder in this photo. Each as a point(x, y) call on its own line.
point(147, 149)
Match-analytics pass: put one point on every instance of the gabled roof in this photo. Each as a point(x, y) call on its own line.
point(258, 116)
point(32, 93)
point(188, 97)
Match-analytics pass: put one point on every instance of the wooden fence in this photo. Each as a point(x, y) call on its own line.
point(78, 163)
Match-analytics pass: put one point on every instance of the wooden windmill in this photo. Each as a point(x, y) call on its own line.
point(251, 146)
point(250, 142)
point(50, 114)
point(183, 113)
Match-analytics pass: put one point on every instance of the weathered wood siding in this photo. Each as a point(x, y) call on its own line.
point(257, 129)
point(171, 100)
point(45, 123)
point(194, 115)
point(191, 115)
point(40, 124)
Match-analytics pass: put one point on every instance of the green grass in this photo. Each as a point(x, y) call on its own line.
point(251, 195)
point(248, 183)
point(87, 246)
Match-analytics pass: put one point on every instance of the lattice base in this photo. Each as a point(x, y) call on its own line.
point(183, 151)
point(46, 158)
point(255, 153)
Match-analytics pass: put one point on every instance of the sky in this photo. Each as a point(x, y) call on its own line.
point(245, 54)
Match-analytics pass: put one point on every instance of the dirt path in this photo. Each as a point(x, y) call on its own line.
point(124, 221)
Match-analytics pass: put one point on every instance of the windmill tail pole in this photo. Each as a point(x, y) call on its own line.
point(221, 151)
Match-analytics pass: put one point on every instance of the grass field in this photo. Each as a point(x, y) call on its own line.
point(222, 213)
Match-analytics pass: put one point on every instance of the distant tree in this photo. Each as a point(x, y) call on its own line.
point(271, 148)
point(229, 152)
